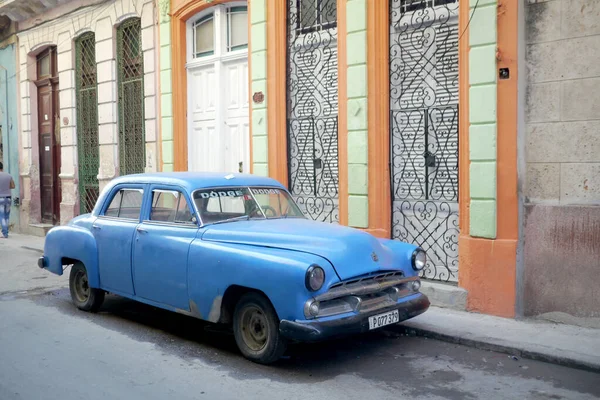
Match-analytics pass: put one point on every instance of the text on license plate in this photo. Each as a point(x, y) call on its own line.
point(377, 321)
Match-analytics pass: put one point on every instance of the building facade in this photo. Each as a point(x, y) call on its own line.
point(468, 127)
point(88, 105)
point(381, 115)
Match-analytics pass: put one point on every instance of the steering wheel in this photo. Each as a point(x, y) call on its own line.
point(269, 208)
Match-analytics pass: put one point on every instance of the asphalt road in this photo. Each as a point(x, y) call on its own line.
point(50, 350)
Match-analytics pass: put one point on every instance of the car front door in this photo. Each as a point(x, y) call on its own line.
point(114, 230)
point(161, 247)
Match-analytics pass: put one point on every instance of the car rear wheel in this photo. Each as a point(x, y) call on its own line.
point(256, 329)
point(84, 297)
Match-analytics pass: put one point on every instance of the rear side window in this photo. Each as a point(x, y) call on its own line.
point(126, 204)
point(170, 206)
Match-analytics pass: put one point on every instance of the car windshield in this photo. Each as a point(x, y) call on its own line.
point(234, 204)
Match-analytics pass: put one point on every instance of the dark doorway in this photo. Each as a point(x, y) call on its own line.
point(49, 139)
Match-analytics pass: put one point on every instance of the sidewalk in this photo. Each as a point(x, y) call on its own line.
point(562, 344)
point(19, 273)
point(33, 243)
point(567, 345)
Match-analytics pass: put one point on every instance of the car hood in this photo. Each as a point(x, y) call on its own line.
point(351, 252)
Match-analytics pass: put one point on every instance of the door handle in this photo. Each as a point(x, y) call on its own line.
point(96, 227)
point(141, 230)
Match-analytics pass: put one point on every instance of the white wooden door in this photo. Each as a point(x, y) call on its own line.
point(217, 84)
point(203, 136)
point(235, 138)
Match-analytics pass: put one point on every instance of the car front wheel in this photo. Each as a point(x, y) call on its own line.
point(256, 329)
point(84, 297)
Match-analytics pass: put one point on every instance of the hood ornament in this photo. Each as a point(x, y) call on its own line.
point(374, 257)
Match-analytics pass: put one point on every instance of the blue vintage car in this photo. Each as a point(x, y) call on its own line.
point(235, 249)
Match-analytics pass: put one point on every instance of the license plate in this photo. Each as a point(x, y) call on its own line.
point(388, 318)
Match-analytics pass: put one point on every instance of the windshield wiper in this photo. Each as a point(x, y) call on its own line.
point(240, 218)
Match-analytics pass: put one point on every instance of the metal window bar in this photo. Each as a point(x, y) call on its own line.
point(132, 153)
point(88, 156)
point(315, 15)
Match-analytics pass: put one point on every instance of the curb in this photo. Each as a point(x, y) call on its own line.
point(510, 350)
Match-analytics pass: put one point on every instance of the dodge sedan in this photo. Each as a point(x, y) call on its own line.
point(237, 250)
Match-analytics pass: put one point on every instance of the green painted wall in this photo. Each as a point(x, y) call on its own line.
point(258, 60)
point(358, 151)
point(482, 118)
point(166, 93)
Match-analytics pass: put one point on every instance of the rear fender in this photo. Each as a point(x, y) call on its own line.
point(72, 242)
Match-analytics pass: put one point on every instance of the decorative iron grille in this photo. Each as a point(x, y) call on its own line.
point(88, 156)
point(132, 154)
point(424, 130)
point(312, 107)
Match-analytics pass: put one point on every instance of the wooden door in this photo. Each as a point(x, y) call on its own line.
point(49, 145)
point(236, 134)
point(217, 86)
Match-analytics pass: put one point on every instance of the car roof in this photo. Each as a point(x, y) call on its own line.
point(198, 180)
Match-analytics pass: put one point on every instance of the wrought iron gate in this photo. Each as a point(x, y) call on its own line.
point(88, 156)
point(424, 130)
point(132, 154)
point(312, 107)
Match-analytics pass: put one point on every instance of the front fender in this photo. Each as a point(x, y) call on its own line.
point(72, 242)
point(403, 254)
point(279, 274)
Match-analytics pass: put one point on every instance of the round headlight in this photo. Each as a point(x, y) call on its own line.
point(419, 259)
point(315, 277)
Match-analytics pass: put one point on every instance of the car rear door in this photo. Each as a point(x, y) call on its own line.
point(161, 247)
point(114, 231)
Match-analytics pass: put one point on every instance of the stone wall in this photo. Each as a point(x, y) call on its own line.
point(562, 182)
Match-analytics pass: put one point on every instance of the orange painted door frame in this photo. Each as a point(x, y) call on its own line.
point(378, 75)
point(277, 89)
point(488, 267)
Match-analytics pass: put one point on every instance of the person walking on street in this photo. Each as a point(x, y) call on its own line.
point(6, 185)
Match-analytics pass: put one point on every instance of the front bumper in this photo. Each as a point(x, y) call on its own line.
point(316, 330)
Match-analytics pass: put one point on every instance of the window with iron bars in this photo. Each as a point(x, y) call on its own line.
point(132, 154)
point(316, 15)
point(414, 5)
point(88, 156)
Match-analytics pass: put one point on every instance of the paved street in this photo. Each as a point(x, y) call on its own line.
point(50, 350)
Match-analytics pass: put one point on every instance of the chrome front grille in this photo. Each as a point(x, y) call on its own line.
point(369, 278)
point(362, 294)
point(363, 286)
